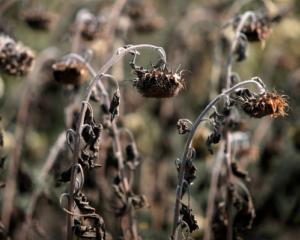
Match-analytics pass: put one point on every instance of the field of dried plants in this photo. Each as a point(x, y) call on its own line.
point(148, 119)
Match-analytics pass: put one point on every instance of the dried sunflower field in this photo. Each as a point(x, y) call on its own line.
point(148, 119)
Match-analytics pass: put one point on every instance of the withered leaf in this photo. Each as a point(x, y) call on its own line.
point(114, 105)
point(65, 176)
point(239, 172)
point(188, 217)
point(139, 201)
point(2, 161)
point(213, 138)
point(190, 171)
point(131, 156)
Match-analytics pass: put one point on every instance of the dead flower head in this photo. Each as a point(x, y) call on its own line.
point(269, 103)
point(144, 16)
point(158, 82)
point(15, 59)
point(149, 24)
point(259, 29)
point(89, 25)
point(38, 19)
point(256, 29)
point(70, 71)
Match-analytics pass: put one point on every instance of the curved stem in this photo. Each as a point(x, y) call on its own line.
point(121, 52)
point(31, 85)
point(52, 157)
point(189, 142)
point(213, 190)
point(239, 28)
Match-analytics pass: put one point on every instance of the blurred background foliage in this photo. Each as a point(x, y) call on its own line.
point(191, 34)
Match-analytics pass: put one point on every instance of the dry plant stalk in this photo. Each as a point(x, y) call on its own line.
point(30, 86)
point(254, 104)
point(85, 112)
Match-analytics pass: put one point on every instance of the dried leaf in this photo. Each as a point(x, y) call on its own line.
point(188, 217)
point(114, 105)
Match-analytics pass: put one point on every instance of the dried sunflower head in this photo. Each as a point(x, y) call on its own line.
point(70, 71)
point(149, 24)
point(269, 103)
point(137, 9)
point(258, 30)
point(38, 19)
point(144, 16)
point(158, 82)
point(15, 59)
point(89, 25)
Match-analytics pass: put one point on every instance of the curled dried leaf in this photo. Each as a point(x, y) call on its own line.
point(239, 172)
point(188, 217)
point(132, 156)
point(114, 105)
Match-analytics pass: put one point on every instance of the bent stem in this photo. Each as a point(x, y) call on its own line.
point(121, 52)
point(50, 160)
point(31, 85)
point(227, 150)
point(213, 190)
point(244, 18)
point(188, 144)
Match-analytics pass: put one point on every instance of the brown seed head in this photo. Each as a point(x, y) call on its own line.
point(38, 19)
point(159, 83)
point(267, 104)
point(257, 30)
point(15, 59)
point(149, 24)
point(70, 71)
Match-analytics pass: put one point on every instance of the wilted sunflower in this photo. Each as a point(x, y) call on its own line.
point(257, 30)
point(269, 103)
point(158, 82)
point(15, 59)
point(38, 19)
point(70, 71)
